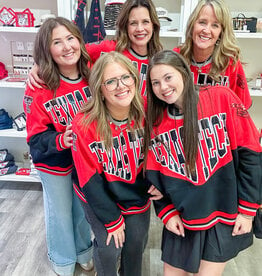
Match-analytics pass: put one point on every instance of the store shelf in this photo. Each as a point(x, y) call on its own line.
point(20, 178)
point(13, 133)
point(8, 84)
point(248, 35)
point(18, 29)
point(255, 92)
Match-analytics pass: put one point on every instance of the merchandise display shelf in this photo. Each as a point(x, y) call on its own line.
point(248, 35)
point(13, 133)
point(8, 84)
point(20, 178)
point(255, 92)
point(18, 29)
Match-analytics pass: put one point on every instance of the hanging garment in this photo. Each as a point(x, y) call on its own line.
point(94, 30)
point(79, 18)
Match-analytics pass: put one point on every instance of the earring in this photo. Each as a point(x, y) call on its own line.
point(217, 42)
point(102, 97)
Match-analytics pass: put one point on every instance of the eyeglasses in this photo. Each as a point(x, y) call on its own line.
point(112, 84)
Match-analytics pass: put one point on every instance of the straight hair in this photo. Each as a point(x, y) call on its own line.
point(156, 107)
point(123, 41)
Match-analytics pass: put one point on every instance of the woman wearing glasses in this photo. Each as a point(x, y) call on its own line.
point(107, 151)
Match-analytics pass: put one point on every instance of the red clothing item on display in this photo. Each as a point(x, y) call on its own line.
point(46, 121)
point(228, 167)
point(95, 50)
point(234, 78)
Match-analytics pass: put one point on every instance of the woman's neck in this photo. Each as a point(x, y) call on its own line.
point(72, 73)
point(119, 115)
point(140, 50)
point(202, 56)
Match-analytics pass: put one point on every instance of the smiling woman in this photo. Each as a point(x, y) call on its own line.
point(107, 152)
point(211, 49)
point(65, 50)
point(202, 152)
point(60, 52)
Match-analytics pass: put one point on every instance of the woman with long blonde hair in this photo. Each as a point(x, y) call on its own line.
point(108, 156)
point(211, 49)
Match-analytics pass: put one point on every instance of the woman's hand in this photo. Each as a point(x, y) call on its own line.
point(175, 225)
point(119, 236)
point(243, 225)
point(68, 139)
point(156, 194)
point(33, 78)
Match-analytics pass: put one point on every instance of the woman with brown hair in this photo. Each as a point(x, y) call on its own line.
point(60, 52)
point(202, 152)
point(137, 37)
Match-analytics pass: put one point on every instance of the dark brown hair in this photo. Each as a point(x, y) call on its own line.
point(123, 41)
point(156, 107)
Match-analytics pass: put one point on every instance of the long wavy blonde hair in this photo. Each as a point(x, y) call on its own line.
point(225, 49)
point(96, 110)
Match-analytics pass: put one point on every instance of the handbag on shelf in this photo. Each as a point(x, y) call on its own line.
point(243, 23)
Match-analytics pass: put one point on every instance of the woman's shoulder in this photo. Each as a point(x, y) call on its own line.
point(38, 93)
point(218, 93)
point(104, 44)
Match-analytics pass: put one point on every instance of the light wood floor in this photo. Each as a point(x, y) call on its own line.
point(23, 248)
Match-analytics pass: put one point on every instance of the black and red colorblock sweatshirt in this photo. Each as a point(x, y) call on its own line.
point(228, 177)
point(46, 121)
point(111, 181)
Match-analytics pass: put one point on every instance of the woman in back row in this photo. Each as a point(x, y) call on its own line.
point(211, 49)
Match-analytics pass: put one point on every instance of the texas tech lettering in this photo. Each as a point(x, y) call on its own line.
point(205, 79)
point(64, 108)
point(168, 149)
point(116, 161)
point(142, 74)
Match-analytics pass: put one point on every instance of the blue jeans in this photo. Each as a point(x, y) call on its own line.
point(106, 257)
point(67, 230)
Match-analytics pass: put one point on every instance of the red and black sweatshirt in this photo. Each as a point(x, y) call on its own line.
point(233, 77)
point(228, 177)
point(111, 181)
point(46, 121)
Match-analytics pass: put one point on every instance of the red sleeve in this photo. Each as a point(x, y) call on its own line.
point(96, 49)
point(246, 150)
point(37, 120)
point(238, 83)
